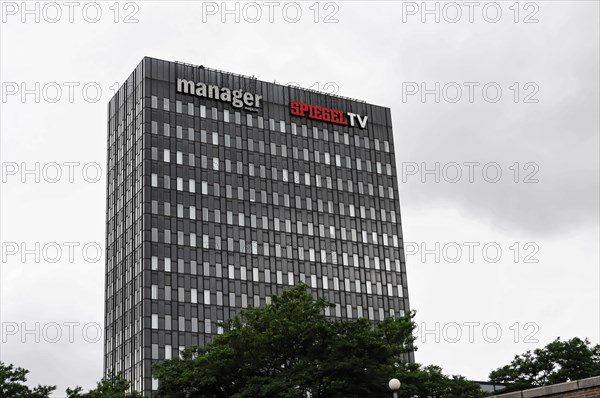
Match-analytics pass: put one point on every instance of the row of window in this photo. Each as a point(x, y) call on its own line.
point(250, 190)
point(179, 294)
point(215, 242)
point(276, 173)
point(261, 221)
point(262, 196)
point(264, 274)
point(191, 212)
point(283, 150)
point(325, 261)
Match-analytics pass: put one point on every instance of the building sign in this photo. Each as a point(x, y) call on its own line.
point(237, 98)
point(328, 115)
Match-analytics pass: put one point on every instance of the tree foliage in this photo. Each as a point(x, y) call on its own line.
point(558, 362)
point(289, 348)
point(429, 381)
point(111, 386)
point(12, 384)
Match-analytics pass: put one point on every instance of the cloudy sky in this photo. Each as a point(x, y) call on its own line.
point(495, 108)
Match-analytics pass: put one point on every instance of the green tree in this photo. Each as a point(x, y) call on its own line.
point(111, 386)
point(558, 362)
point(429, 381)
point(74, 393)
point(289, 348)
point(12, 384)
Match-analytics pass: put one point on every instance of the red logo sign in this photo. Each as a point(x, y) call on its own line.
point(326, 114)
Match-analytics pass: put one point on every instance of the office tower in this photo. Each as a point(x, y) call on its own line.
point(223, 190)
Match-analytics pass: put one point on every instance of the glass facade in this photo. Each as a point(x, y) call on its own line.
point(213, 207)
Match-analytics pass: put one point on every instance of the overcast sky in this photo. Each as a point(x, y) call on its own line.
point(498, 161)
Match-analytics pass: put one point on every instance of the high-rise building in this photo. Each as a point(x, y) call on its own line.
point(223, 190)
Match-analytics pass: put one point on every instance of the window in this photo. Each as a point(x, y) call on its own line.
point(154, 321)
